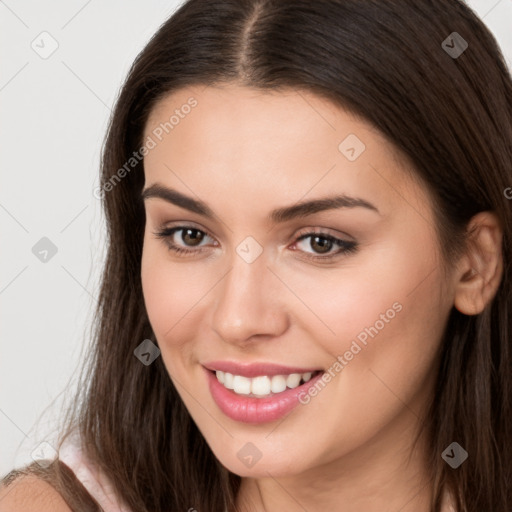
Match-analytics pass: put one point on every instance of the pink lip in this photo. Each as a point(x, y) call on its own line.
point(256, 410)
point(255, 369)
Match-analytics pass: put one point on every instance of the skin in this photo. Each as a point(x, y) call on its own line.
point(245, 152)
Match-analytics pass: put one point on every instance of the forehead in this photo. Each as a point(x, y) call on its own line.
point(270, 144)
point(229, 113)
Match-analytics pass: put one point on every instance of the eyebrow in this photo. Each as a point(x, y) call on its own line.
point(278, 215)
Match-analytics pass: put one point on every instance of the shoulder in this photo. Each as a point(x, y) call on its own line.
point(29, 493)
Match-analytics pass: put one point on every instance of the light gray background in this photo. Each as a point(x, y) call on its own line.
point(53, 114)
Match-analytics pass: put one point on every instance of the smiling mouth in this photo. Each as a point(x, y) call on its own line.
point(262, 386)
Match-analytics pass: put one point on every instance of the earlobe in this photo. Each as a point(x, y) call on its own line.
point(468, 294)
point(481, 267)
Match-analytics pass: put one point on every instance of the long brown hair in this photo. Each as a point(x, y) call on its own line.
point(451, 116)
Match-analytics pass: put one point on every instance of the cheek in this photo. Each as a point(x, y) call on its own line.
point(341, 302)
point(159, 290)
point(387, 321)
point(173, 295)
point(386, 311)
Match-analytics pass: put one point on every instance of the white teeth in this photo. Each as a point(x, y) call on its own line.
point(278, 383)
point(228, 380)
point(293, 380)
point(260, 385)
point(306, 376)
point(241, 385)
point(263, 385)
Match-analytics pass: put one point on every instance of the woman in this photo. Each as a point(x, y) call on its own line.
point(306, 298)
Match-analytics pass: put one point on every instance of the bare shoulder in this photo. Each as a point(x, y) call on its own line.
point(28, 493)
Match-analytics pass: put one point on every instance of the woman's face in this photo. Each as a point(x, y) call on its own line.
point(353, 289)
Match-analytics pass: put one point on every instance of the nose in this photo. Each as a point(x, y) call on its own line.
point(249, 303)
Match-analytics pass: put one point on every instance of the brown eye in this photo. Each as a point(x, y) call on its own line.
point(192, 236)
point(183, 244)
point(320, 244)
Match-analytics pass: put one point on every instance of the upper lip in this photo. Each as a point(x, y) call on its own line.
point(256, 369)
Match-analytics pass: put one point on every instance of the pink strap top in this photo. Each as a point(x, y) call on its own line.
point(99, 487)
point(91, 477)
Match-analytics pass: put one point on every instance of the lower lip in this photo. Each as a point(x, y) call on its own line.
point(256, 410)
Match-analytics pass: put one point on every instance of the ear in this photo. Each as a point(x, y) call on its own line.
point(480, 269)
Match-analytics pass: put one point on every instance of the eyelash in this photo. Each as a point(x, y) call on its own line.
point(347, 247)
